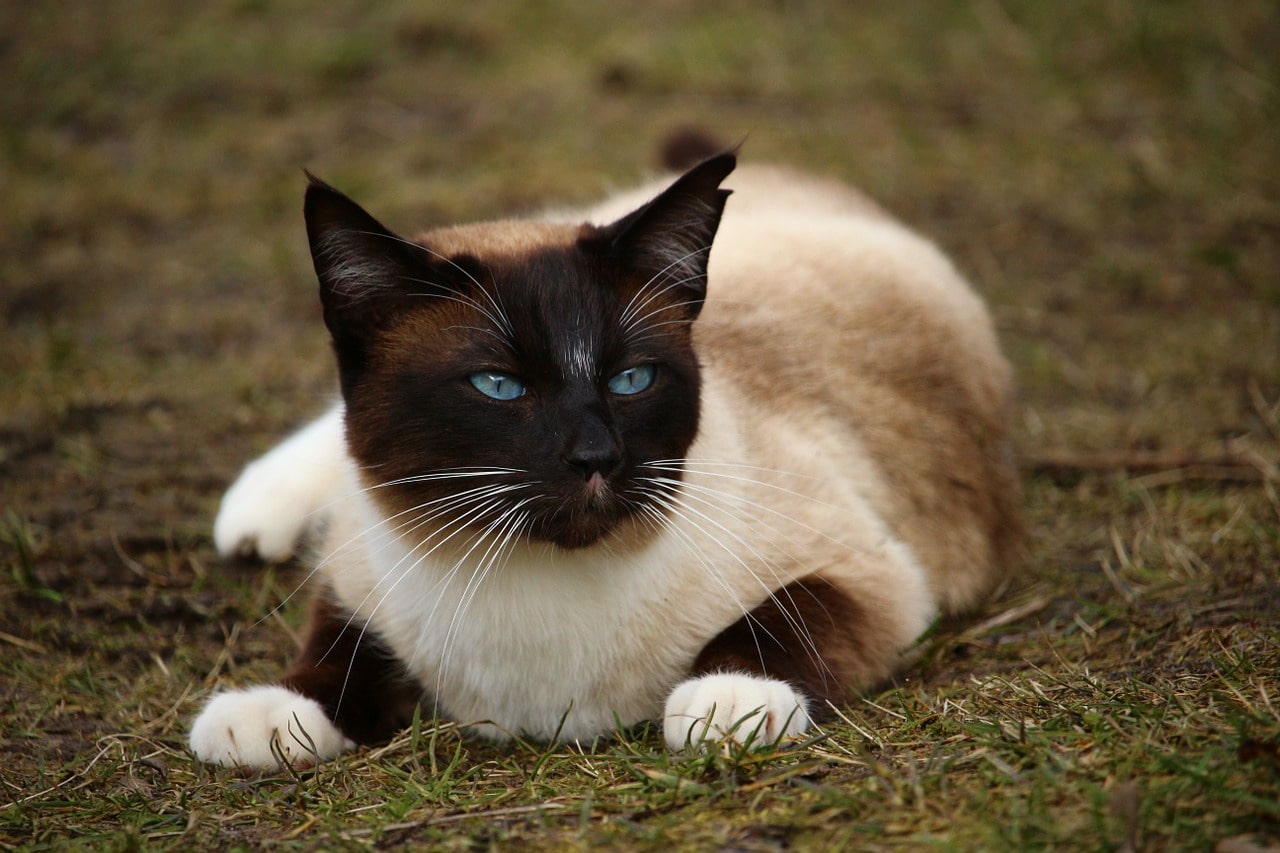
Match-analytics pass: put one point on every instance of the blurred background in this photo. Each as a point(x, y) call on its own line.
point(1105, 171)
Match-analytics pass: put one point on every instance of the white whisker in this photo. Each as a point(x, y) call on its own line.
point(496, 314)
point(499, 319)
point(632, 318)
point(764, 507)
point(458, 525)
point(506, 527)
point(632, 308)
point(334, 551)
point(685, 501)
point(709, 565)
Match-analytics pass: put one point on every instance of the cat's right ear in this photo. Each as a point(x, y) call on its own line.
point(366, 272)
point(668, 240)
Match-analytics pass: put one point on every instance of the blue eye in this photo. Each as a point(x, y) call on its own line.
point(633, 380)
point(499, 386)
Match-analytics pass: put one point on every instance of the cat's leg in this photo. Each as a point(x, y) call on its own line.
point(344, 689)
point(776, 670)
point(279, 495)
point(260, 727)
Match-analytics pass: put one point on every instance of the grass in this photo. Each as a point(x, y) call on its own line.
point(1106, 173)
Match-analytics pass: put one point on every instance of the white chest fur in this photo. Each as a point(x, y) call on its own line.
point(540, 642)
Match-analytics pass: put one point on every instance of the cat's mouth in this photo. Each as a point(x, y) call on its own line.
point(596, 487)
point(570, 515)
point(625, 510)
point(590, 512)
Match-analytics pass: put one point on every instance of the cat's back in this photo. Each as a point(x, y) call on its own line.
point(824, 310)
point(810, 267)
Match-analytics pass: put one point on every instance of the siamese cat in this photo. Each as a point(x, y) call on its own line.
point(715, 460)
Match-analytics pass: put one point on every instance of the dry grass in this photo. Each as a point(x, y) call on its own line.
point(1108, 173)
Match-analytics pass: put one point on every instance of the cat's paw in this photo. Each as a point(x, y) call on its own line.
point(732, 708)
point(256, 727)
point(263, 514)
point(277, 497)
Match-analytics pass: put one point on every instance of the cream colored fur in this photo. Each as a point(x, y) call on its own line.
point(853, 427)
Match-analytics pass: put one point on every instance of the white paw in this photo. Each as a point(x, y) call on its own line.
point(732, 708)
point(239, 728)
point(276, 498)
point(263, 514)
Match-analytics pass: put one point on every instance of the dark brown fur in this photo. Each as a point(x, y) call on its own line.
point(361, 685)
point(807, 635)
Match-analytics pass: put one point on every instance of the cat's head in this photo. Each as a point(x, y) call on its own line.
point(514, 377)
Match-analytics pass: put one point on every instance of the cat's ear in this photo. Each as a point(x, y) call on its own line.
point(365, 271)
point(669, 239)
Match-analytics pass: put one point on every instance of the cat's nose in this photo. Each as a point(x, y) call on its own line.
point(594, 450)
point(589, 460)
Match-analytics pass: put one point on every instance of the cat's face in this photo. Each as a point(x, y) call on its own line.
point(515, 378)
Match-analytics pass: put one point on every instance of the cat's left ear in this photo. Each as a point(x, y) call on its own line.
point(669, 239)
point(366, 272)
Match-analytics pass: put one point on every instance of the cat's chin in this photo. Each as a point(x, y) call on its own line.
point(576, 542)
point(620, 533)
point(581, 534)
point(588, 517)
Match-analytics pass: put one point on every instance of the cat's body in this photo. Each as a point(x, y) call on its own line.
point(756, 511)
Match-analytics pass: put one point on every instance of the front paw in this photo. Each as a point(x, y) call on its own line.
point(730, 708)
point(278, 496)
point(264, 513)
point(259, 726)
